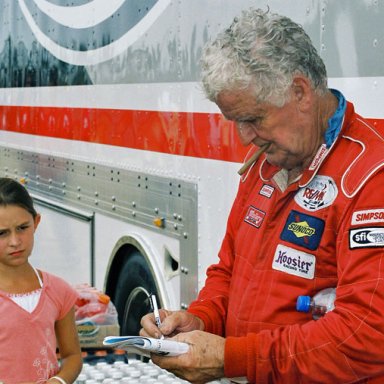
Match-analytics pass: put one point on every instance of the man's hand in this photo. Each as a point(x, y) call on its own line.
point(203, 362)
point(172, 323)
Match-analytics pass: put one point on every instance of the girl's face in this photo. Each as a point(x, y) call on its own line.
point(17, 228)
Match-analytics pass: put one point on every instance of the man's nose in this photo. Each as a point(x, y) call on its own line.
point(246, 132)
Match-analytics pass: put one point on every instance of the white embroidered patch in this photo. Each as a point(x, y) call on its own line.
point(366, 237)
point(294, 262)
point(319, 193)
point(368, 216)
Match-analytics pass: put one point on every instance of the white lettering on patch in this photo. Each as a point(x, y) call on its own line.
point(368, 216)
point(294, 262)
point(318, 157)
point(319, 193)
point(366, 237)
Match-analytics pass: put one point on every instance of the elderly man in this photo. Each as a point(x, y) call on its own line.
point(308, 216)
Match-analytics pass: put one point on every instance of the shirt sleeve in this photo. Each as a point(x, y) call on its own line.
point(212, 302)
point(63, 294)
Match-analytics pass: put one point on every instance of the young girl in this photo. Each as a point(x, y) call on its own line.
point(36, 308)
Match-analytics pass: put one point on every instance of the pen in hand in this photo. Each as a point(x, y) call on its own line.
point(155, 308)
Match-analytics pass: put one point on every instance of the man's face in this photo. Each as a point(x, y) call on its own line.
point(292, 134)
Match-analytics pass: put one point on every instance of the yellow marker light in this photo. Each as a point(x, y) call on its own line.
point(159, 222)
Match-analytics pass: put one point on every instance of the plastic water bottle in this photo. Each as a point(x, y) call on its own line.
point(319, 304)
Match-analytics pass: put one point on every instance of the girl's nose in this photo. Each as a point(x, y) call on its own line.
point(14, 239)
point(246, 132)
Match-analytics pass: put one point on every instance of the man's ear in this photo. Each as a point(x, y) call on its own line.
point(302, 92)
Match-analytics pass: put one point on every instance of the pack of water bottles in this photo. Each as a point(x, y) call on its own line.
point(131, 372)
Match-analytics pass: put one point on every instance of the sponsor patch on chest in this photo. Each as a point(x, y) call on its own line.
point(267, 190)
point(254, 216)
point(366, 237)
point(294, 262)
point(303, 230)
point(319, 193)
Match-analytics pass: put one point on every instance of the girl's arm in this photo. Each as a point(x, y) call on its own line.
point(69, 348)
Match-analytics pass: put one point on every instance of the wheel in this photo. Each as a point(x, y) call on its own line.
point(134, 284)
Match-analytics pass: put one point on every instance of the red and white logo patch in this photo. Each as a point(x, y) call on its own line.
point(368, 216)
point(254, 216)
point(266, 190)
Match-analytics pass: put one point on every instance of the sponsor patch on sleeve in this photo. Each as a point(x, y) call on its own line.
point(294, 262)
point(366, 237)
point(254, 216)
point(368, 216)
point(303, 230)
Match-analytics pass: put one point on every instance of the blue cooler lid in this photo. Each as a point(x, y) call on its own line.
point(303, 303)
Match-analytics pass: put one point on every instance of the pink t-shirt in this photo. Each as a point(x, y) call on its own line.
point(28, 340)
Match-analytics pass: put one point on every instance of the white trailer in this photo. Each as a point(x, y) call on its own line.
point(134, 171)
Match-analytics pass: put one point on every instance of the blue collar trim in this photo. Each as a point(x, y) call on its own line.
point(336, 121)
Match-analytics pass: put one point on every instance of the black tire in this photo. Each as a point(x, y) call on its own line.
point(134, 284)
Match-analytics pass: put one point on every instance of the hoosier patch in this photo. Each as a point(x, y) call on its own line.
point(294, 262)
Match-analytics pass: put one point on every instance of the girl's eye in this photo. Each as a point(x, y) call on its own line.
point(22, 228)
point(2, 233)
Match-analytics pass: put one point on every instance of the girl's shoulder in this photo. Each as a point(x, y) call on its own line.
point(53, 281)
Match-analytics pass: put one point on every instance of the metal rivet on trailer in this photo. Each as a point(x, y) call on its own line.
point(185, 234)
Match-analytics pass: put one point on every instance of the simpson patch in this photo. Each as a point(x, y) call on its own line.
point(303, 230)
point(319, 193)
point(368, 216)
point(366, 237)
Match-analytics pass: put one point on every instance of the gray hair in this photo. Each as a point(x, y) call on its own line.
point(262, 50)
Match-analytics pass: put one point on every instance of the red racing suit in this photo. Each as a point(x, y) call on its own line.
point(325, 230)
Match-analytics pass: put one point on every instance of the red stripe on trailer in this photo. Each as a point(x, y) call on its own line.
point(203, 135)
